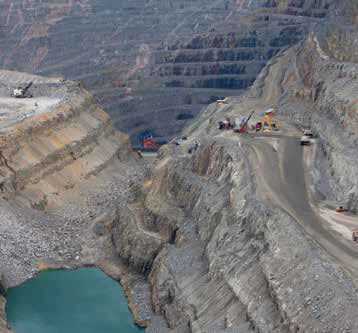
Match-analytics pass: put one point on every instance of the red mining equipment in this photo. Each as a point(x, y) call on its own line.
point(148, 143)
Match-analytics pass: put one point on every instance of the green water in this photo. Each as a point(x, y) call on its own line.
point(80, 301)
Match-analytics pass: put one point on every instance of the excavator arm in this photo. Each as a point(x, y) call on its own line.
point(21, 92)
point(27, 88)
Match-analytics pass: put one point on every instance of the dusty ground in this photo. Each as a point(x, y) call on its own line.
point(14, 110)
point(282, 173)
point(75, 234)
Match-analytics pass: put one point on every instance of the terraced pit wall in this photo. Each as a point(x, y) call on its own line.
point(316, 90)
point(48, 154)
point(58, 168)
point(152, 65)
point(217, 254)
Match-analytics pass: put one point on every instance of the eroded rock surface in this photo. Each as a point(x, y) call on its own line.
point(64, 172)
point(237, 262)
point(314, 86)
point(247, 248)
point(226, 228)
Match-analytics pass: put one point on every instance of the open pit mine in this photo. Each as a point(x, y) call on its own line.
point(221, 188)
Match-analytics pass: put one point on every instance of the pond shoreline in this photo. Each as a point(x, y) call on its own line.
point(141, 311)
point(82, 305)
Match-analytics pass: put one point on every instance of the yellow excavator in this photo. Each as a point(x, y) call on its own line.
point(269, 118)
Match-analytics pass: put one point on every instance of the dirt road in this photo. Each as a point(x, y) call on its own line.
point(282, 183)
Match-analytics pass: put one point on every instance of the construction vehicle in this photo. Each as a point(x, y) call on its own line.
point(258, 126)
point(222, 101)
point(340, 209)
point(355, 235)
point(148, 142)
point(305, 140)
point(269, 121)
point(194, 147)
point(181, 140)
point(21, 92)
point(308, 133)
point(226, 124)
point(243, 127)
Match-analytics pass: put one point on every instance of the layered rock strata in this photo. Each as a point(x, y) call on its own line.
point(229, 259)
point(313, 84)
point(64, 171)
point(240, 243)
point(228, 236)
point(152, 65)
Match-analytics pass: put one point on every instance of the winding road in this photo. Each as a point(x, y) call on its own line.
point(282, 178)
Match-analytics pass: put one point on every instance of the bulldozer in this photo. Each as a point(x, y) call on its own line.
point(22, 92)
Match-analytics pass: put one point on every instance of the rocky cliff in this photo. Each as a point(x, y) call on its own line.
point(63, 173)
point(228, 259)
point(3, 326)
point(232, 232)
point(313, 84)
point(236, 235)
point(152, 65)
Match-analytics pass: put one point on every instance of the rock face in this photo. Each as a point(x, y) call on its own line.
point(63, 173)
point(236, 255)
point(3, 327)
point(53, 148)
point(236, 262)
point(314, 83)
point(143, 63)
point(69, 143)
point(225, 227)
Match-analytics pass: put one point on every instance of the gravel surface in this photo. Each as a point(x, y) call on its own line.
point(66, 236)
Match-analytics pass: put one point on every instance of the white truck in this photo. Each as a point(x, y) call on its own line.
point(307, 137)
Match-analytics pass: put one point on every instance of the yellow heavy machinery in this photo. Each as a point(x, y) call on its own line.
point(269, 119)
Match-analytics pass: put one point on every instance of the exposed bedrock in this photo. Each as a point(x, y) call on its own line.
point(3, 326)
point(316, 90)
point(64, 171)
point(152, 57)
point(200, 70)
point(232, 262)
point(71, 143)
point(53, 148)
point(136, 247)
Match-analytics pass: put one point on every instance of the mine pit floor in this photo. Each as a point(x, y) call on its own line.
point(13, 110)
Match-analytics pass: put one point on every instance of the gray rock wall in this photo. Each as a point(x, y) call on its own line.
point(235, 262)
point(315, 90)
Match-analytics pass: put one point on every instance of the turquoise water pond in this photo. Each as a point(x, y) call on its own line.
point(80, 301)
